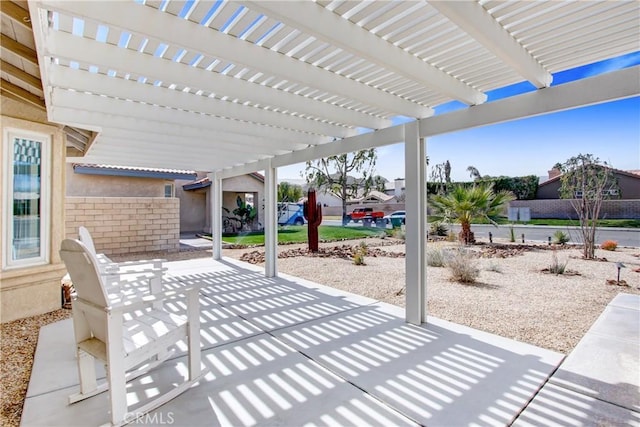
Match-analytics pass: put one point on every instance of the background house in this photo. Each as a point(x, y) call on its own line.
point(628, 183)
point(195, 204)
point(548, 203)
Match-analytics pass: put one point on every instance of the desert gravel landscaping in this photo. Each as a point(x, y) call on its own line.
point(512, 296)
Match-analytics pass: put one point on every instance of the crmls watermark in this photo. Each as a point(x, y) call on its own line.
point(157, 418)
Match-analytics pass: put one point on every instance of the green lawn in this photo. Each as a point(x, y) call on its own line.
point(298, 234)
point(625, 223)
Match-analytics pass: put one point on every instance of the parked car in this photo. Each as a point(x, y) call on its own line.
point(290, 214)
point(367, 215)
point(400, 215)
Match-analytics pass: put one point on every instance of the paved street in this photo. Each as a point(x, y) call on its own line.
point(624, 236)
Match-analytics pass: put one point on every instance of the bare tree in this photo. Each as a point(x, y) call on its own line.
point(586, 182)
point(438, 176)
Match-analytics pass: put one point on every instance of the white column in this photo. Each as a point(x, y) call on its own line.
point(271, 221)
point(416, 225)
point(216, 214)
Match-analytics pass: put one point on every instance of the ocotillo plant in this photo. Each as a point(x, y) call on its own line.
point(313, 214)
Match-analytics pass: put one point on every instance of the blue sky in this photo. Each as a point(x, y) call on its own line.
point(531, 146)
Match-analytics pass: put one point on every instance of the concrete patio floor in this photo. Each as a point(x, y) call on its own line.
point(288, 352)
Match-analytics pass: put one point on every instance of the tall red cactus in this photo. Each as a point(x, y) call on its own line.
point(313, 214)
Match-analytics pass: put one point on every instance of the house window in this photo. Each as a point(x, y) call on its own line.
point(168, 190)
point(26, 210)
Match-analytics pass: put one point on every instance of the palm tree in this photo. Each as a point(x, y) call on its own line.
point(463, 204)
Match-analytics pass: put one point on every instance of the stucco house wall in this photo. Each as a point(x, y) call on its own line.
point(193, 208)
point(32, 290)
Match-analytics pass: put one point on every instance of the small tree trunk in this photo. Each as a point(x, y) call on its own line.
point(344, 210)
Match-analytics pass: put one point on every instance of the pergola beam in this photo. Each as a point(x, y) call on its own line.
point(608, 87)
point(85, 81)
point(473, 19)
point(95, 103)
point(161, 140)
point(151, 150)
point(108, 57)
point(119, 124)
point(152, 23)
point(327, 26)
point(175, 162)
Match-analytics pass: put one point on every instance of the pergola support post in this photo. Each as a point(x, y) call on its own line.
point(416, 225)
point(271, 221)
point(216, 214)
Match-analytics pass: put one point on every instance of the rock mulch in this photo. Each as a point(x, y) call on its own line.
point(339, 251)
point(18, 340)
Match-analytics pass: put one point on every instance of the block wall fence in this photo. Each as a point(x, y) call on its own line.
point(559, 208)
point(122, 225)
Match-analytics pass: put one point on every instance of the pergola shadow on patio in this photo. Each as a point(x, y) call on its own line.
point(284, 351)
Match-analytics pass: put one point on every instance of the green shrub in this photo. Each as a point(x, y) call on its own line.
point(436, 257)
point(512, 234)
point(560, 237)
point(437, 228)
point(358, 258)
point(557, 267)
point(359, 253)
point(462, 266)
point(523, 187)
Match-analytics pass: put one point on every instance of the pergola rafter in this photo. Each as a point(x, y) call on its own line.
point(475, 20)
point(152, 24)
point(326, 25)
point(66, 77)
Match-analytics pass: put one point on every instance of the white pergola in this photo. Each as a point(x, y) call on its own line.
point(233, 87)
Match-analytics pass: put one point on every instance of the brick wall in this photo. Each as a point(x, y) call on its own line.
point(558, 208)
point(121, 225)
